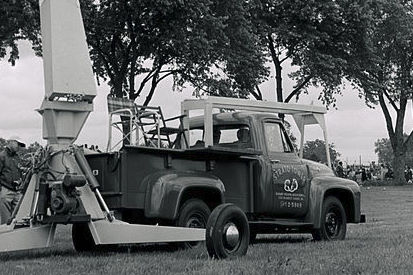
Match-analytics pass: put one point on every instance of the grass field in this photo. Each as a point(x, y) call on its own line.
point(384, 245)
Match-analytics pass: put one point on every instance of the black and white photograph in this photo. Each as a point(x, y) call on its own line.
point(206, 137)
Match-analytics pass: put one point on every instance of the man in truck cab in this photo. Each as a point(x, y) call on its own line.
point(244, 137)
point(216, 138)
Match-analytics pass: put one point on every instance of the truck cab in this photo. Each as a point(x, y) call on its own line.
point(281, 178)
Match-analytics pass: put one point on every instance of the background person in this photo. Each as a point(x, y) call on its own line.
point(10, 179)
point(340, 170)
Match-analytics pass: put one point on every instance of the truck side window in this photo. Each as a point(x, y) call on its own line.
point(276, 138)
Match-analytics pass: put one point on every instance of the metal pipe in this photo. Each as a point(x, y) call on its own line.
point(104, 205)
point(158, 129)
point(84, 166)
point(93, 183)
point(26, 182)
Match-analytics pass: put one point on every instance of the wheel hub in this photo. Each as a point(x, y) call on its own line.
point(332, 223)
point(231, 235)
point(195, 222)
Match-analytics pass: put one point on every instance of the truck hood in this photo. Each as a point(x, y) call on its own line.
point(322, 175)
point(318, 169)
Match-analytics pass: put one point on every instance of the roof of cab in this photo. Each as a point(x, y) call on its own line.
point(231, 118)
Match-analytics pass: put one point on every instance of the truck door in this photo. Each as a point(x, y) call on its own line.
point(289, 175)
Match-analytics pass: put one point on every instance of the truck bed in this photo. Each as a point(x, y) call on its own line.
point(121, 174)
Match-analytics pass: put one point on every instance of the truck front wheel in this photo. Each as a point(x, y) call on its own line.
point(333, 221)
point(227, 232)
point(194, 213)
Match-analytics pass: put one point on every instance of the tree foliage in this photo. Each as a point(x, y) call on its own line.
point(316, 150)
point(220, 47)
point(382, 148)
point(205, 43)
point(134, 45)
point(384, 151)
point(19, 20)
point(319, 38)
point(384, 74)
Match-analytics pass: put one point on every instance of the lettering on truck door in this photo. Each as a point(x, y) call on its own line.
point(289, 175)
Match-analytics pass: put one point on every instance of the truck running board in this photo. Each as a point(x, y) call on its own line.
point(279, 225)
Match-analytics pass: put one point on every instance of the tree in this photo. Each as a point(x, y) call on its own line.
point(318, 37)
point(316, 150)
point(3, 143)
point(384, 74)
point(19, 21)
point(130, 38)
point(205, 43)
point(382, 148)
point(241, 68)
point(384, 151)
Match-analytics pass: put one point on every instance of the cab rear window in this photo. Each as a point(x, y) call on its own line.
point(231, 136)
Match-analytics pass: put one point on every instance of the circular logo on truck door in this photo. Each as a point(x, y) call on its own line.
point(290, 186)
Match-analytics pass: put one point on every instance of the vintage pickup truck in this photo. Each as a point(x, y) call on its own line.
point(247, 160)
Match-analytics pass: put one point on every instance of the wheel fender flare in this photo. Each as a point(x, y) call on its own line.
point(164, 191)
point(319, 191)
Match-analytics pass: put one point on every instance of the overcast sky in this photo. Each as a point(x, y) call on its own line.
point(353, 127)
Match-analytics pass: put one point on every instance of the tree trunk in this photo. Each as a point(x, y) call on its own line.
point(278, 81)
point(117, 91)
point(396, 135)
point(399, 163)
point(278, 68)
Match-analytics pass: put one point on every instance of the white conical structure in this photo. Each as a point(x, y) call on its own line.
point(69, 82)
point(66, 61)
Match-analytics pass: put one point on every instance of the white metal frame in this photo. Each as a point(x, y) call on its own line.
point(303, 114)
point(120, 112)
point(156, 125)
point(134, 128)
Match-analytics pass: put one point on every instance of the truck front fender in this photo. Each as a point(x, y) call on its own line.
point(347, 191)
point(166, 191)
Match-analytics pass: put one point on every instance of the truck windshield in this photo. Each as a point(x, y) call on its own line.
point(231, 136)
point(276, 138)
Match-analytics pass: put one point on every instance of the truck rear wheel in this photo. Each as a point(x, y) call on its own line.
point(227, 232)
point(333, 221)
point(194, 213)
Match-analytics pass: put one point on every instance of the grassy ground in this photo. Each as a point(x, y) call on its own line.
point(381, 246)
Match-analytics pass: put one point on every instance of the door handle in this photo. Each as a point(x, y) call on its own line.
point(275, 161)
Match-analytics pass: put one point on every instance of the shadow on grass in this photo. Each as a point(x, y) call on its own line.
point(107, 250)
point(268, 240)
point(37, 254)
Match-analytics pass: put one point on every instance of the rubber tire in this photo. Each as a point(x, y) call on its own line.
point(82, 238)
point(188, 209)
point(321, 234)
point(222, 215)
